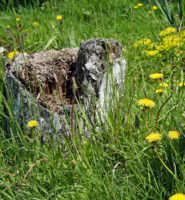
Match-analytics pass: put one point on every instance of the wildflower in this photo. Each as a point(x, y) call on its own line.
point(170, 42)
point(156, 76)
point(27, 30)
point(135, 7)
point(154, 7)
point(146, 102)
point(32, 123)
point(143, 41)
point(164, 84)
point(149, 12)
point(168, 31)
point(35, 23)
point(12, 54)
point(0, 150)
point(154, 137)
point(8, 26)
point(18, 19)
point(123, 49)
point(140, 4)
point(160, 91)
point(178, 196)
point(73, 162)
point(150, 46)
point(181, 84)
point(150, 53)
point(173, 134)
point(58, 17)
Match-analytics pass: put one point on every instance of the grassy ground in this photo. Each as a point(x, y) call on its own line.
point(118, 161)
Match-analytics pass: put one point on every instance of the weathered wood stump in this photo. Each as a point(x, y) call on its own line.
point(33, 80)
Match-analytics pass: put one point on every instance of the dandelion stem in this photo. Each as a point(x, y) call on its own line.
point(146, 123)
point(153, 100)
point(41, 135)
point(162, 106)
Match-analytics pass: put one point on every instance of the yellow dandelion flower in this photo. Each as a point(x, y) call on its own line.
point(58, 17)
point(154, 137)
point(149, 12)
point(8, 26)
point(154, 7)
point(18, 19)
point(178, 196)
point(173, 134)
point(35, 23)
point(123, 49)
point(12, 54)
point(135, 7)
point(160, 91)
point(156, 76)
point(163, 84)
point(146, 102)
point(140, 4)
point(181, 84)
point(32, 123)
point(27, 30)
point(0, 150)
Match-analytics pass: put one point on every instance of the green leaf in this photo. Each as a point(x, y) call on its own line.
point(50, 41)
point(87, 147)
point(168, 15)
point(72, 39)
point(179, 5)
point(169, 10)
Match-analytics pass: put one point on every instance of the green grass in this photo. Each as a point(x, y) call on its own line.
point(116, 162)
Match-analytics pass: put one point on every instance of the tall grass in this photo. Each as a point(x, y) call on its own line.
point(116, 162)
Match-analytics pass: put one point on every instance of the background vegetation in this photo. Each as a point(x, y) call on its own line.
point(117, 162)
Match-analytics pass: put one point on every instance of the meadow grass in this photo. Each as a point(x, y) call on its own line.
point(117, 162)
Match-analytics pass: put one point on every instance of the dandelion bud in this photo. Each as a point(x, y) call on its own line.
point(174, 79)
point(54, 92)
point(73, 162)
point(134, 79)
